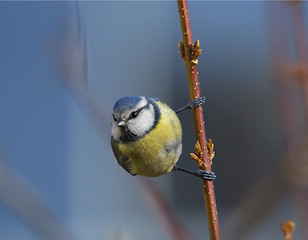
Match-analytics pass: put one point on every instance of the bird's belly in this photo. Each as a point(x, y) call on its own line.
point(152, 161)
point(156, 165)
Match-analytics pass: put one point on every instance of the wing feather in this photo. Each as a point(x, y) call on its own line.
point(121, 158)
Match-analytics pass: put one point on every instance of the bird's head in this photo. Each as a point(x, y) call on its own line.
point(133, 118)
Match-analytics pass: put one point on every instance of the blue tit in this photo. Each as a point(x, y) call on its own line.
point(146, 136)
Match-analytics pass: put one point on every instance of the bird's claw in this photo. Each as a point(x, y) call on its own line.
point(205, 175)
point(196, 102)
point(193, 104)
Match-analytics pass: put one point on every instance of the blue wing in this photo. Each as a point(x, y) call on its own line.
point(121, 158)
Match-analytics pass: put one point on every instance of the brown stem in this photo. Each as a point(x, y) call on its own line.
point(26, 203)
point(191, 63)
point(281, 75)
point(299, 26)
point(167, 219)
point(301, 48)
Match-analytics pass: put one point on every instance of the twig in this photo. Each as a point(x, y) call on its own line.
point(27, 204)
point(190, 53)
point(165, 212)
point(288, 228)
point(281, 75)
point(301, 47)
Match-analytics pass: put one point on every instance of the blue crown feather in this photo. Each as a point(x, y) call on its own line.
point(156, 99)
point(126, 103)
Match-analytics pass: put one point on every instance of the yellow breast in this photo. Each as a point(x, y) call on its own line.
point(157, 152)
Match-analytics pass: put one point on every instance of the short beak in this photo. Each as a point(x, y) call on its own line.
point(120, 123)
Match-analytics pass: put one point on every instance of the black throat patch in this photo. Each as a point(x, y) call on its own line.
point(128, 136)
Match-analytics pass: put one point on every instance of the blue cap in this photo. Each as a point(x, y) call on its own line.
point(126, 103)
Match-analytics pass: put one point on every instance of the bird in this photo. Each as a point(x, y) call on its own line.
point(146, 136)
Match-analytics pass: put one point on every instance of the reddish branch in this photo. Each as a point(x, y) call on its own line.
point(302, 74)
point(190, 52)
point(301, 47)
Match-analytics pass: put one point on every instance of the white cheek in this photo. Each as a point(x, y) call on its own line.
point(115, 131)
point(143, 122)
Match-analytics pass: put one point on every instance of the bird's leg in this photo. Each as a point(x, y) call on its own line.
point(193, 104)
point(205, 175)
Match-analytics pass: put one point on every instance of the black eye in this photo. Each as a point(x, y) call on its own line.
point(114, 118)
point(134, 114)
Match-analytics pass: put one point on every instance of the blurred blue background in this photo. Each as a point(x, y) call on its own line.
point(51, 152)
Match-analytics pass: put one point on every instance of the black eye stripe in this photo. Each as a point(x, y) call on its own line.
point(127, 136)
point(136, 112)
point(156, 111)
